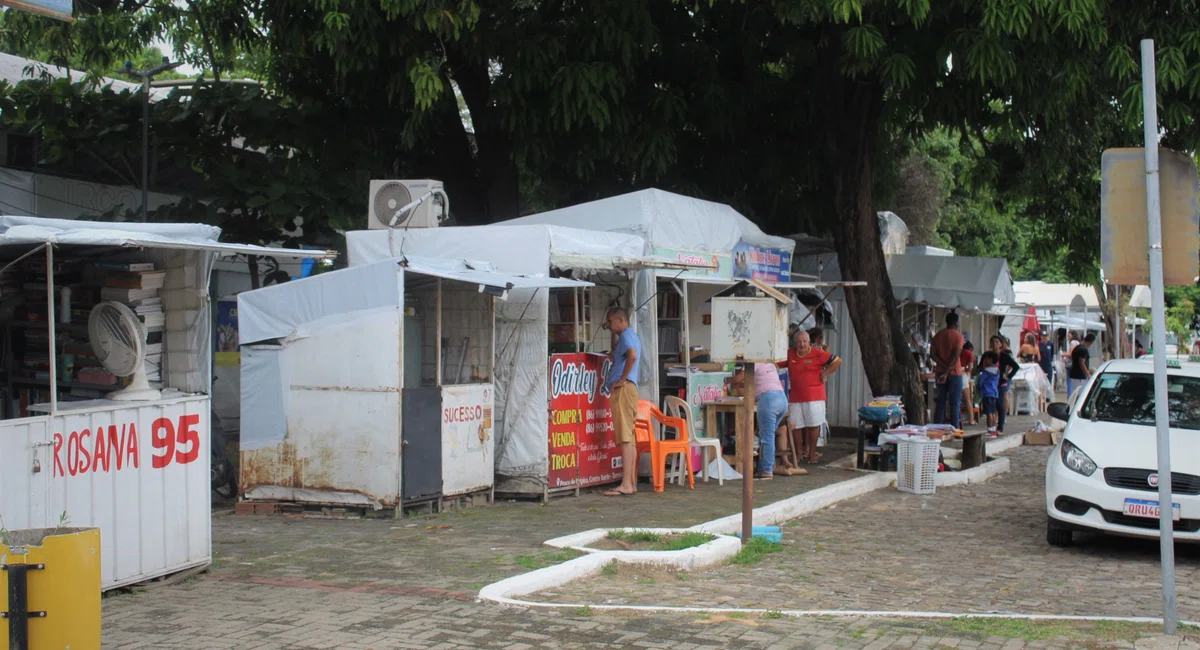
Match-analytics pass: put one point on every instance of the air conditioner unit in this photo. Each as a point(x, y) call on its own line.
point(386, 197)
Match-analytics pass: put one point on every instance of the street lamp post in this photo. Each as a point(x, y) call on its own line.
point(146, 76)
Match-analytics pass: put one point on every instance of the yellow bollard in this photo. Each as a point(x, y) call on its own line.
point(66, 588)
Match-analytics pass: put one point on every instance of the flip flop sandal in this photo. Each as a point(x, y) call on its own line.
point(617, 493)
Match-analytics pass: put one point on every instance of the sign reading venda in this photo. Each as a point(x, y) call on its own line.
point(60, 9)
point(722, 261)
point(582, 449)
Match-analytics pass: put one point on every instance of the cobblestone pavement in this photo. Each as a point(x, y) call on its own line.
point(214, 614)
point(977, 548)
point(468, 548)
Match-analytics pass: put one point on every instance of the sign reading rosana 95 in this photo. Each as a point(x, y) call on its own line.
point(60, 9)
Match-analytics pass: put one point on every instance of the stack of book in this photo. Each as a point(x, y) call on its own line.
point(137, 285)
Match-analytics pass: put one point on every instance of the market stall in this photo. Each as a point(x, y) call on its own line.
point(83, 444)
point(676, 323)
point(550, 343)
point(373, 386)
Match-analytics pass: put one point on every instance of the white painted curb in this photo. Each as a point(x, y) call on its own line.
point(508, 591)
point(802, 504)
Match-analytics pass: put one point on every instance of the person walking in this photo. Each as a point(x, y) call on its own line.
point(1008, 368)
point(808, 370)
point(622, 383)
point(1046, 351)
point(1081, 369)
point(946, 350)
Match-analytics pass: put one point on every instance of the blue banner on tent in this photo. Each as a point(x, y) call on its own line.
point(758, 263)
point(60, 9)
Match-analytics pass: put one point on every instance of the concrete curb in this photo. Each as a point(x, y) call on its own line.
point(508, 591)
point(802, 504)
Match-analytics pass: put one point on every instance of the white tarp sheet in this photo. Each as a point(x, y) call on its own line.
point(1044, 294)
point(529, 249)
point(977, 284)
point(664, 219)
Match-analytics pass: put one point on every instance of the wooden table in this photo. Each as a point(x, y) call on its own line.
point(724, 405)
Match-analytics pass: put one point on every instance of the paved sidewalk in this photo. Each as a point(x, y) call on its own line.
point(978, 549)
point(211, 614)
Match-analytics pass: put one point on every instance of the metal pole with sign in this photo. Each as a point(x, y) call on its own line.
point(1158, 311)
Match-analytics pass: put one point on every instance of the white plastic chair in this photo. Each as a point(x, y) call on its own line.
point(1023, 398)
point(675, 407)
point(824, 437)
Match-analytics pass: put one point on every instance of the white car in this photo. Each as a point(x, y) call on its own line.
point(1101, 476)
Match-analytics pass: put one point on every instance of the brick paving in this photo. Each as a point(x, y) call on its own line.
point(971, 549)
point(380, 583)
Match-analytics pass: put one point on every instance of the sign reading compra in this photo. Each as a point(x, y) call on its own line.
point(582, 450)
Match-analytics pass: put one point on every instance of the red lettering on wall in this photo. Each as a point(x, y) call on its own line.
point(73, 453)
point(188, 437)
point(162, 436)
point(100, 452)
point(131, 444)
point(86, 463)
point(58, 466)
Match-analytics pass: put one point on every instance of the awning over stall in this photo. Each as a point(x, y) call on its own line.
point(665, 219)
point(275, 312)
point(35, 230)
point(978, 284)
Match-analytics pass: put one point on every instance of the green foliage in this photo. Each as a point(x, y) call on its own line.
point(755, 551)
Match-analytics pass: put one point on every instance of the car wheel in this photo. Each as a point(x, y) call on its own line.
point(1057, 535)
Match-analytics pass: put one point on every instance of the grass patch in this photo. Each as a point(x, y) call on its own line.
point(1009, 628)
point(658, 542)
point(772, 614)
point(755, 551)
point(544, 559)
point(609, 570)
point(582, 611)
point(634, 536)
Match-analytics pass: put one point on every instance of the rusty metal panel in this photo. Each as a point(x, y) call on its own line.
point(468, 446)
point(342, 405)
point(1123, 247)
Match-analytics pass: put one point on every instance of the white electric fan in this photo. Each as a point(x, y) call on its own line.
point(119, 340)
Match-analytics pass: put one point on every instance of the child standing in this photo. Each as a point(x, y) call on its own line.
point(989, 388)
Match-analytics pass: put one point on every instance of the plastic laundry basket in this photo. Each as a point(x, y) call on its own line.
point(916, 465)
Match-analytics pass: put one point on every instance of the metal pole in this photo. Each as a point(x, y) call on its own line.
point(52, 325)
point(1158, 309)
point(746, 447)
point(145, 146)
point(1120, 325)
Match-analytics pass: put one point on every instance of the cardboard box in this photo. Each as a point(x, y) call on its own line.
point(1039, 438)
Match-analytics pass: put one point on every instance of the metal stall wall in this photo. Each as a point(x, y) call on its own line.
point(848, 388)
point(140, 473)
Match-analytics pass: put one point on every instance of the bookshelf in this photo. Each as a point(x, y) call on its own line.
point(80, 285)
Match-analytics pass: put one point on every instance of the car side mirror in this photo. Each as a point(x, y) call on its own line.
point(1059, 411)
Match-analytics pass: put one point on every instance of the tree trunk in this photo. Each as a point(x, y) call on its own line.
point(252, 266)
point(1107, 295)
point(852, 116)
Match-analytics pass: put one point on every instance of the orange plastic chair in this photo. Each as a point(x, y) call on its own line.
point(647, 442)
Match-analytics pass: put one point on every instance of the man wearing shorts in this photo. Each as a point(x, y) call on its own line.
point(808, 370)
point(623, 396)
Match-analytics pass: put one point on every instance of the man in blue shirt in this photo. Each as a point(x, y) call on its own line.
point(623, 395)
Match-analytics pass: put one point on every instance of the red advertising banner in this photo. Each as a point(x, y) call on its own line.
point(582, 449)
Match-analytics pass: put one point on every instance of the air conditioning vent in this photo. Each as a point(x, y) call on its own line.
point(388, 196)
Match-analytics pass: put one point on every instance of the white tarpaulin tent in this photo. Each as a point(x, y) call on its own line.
point(326, 379)
point(522, 322)
point(665, 219)
point(1057, 297)
point(976, 284)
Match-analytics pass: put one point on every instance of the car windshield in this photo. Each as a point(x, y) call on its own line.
point(1128, 398)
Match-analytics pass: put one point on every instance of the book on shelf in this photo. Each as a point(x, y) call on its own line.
point(127, 295)
point(136, 280)
point(124, 266)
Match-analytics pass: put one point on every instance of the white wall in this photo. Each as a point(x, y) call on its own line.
point(699, 334)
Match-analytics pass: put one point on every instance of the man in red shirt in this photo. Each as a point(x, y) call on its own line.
point(946, 348)
point(808, 370)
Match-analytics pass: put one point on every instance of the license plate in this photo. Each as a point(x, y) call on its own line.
point(1147, 509)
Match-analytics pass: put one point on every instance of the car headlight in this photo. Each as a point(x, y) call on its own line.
point(1077, 461)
